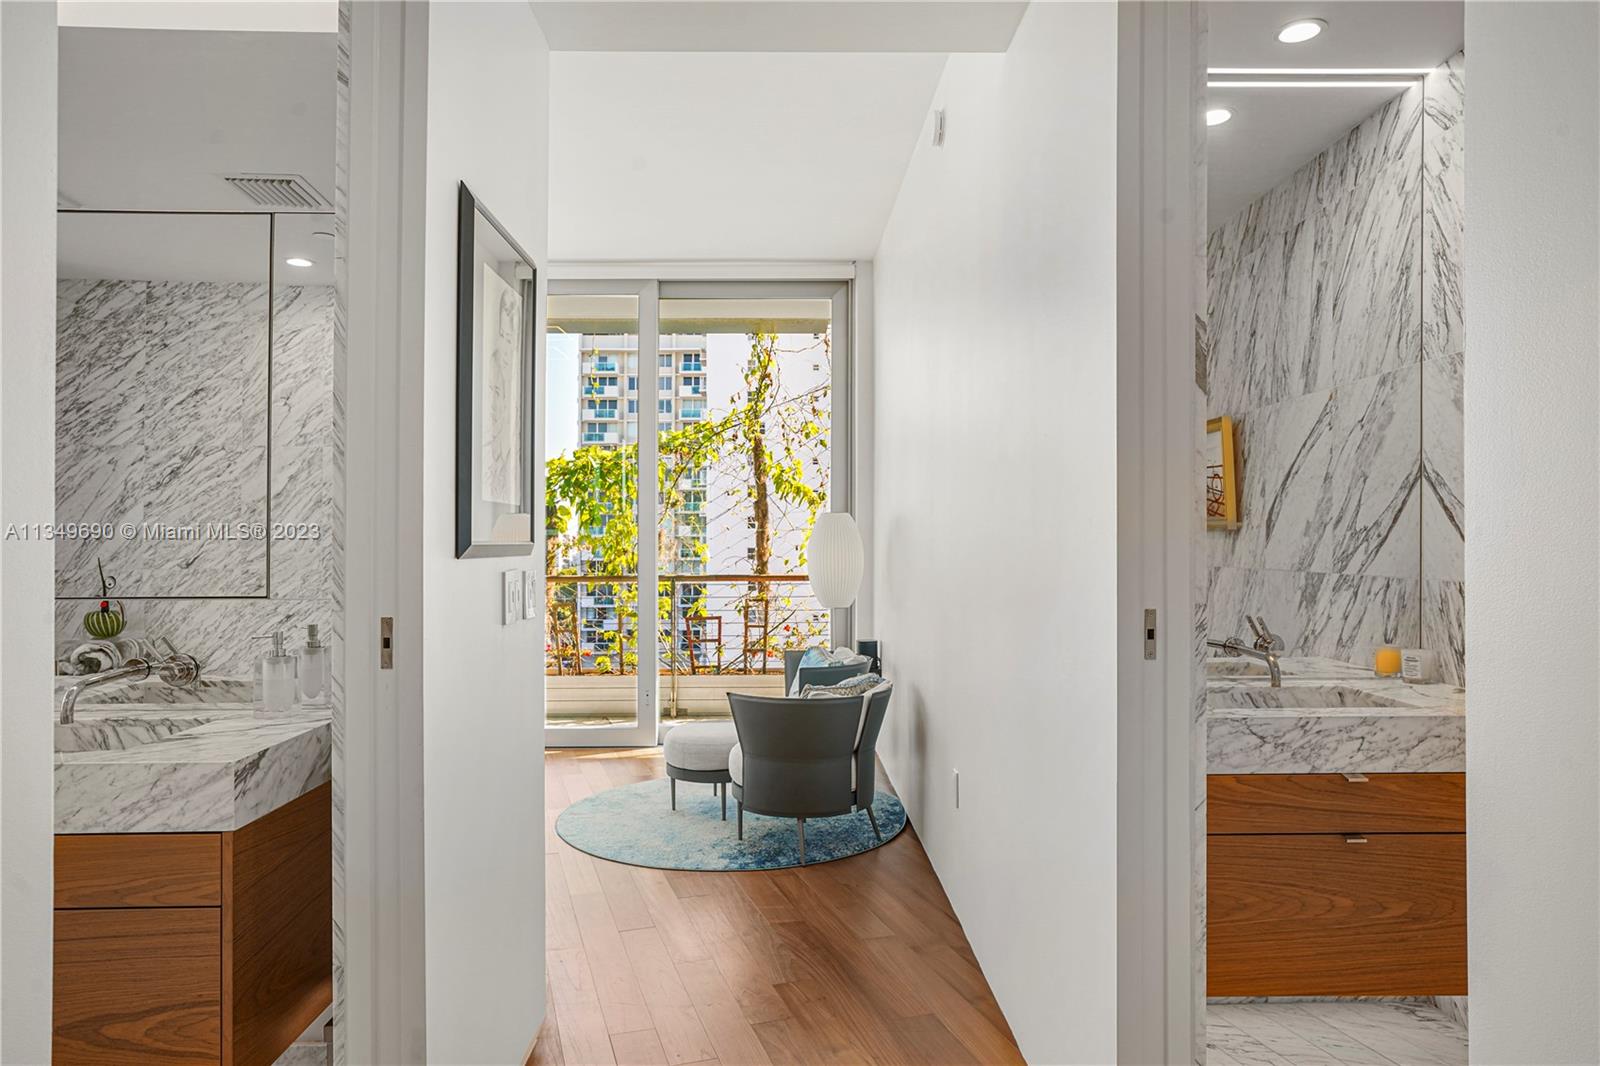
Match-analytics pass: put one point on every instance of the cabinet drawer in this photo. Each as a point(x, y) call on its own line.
point(139, 870)
point(1332, 803)
point(1318, 915)
point(141, 985)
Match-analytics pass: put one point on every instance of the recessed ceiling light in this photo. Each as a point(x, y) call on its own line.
point(298, 261)
point(1217, 116)
point(1301, 30)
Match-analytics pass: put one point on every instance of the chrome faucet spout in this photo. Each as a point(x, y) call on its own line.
point(138, 668)
point(1235, 646)
point(175, 669)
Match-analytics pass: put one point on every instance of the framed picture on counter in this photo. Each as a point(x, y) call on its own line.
point(495, 298)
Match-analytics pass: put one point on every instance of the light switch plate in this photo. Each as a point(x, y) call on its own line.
point(530, 594)
point(511, 605)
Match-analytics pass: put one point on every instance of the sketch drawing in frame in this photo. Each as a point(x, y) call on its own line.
point(495, 305)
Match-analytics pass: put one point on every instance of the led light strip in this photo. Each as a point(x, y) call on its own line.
point(1310, 84)
point(1324, 71)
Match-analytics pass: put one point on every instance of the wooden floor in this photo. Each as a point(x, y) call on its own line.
point(1332, 1034)
point(856, 961)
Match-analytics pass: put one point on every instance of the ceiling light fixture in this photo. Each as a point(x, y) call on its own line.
point(1301, 30)
point(298, 261)
point(1217, 116)
point(1355, 72)
point(1309, 84)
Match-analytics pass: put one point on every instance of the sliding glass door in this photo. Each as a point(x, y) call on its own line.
point(733, 397)
point(600, 655)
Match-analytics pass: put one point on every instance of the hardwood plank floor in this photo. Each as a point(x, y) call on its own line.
point(860, 961)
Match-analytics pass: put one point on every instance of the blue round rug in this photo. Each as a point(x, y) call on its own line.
point(635, 824)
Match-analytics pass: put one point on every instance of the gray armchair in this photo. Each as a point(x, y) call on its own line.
point(804, 759)
point(817, 675)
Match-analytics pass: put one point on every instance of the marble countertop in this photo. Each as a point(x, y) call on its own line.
point(142, 760)
point(1331, 717)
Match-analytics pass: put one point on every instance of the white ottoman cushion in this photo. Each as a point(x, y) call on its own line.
point(736, 765)
point(701, 746)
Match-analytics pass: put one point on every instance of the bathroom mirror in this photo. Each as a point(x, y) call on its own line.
point(163, 380)
point(192, 362)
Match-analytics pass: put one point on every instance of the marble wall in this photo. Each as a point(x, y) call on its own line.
point(201, 457)
point(1334, 342)
point(161, 420)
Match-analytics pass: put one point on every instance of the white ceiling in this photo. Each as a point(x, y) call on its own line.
point(164, 246)
point(1360, 33)
point(779, 25)
point(296, 16)
point(152, 119)
point(1275, 130)
point(730, 155)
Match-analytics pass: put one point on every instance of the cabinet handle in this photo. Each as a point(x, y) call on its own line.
point(1352, 838)
point(1355, 779)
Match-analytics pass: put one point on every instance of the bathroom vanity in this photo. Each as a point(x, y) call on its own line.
point(193, 882)
point(1336, 834)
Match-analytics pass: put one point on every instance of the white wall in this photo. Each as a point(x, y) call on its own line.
point(995, 516)
point(483, 693)
point(1532, 450)
point(27, 494)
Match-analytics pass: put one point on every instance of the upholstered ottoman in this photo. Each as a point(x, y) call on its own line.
point(698, 751)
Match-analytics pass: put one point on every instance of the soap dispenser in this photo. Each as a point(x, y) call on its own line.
point(278, 682)
point(316, 672)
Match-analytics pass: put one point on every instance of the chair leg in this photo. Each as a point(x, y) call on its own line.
point(672, 786)
point(873, 818)
point(802, 822)
point(740, 805)
point(724, 790)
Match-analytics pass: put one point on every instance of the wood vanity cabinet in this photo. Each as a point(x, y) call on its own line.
point(194, 947)
point(1328, 885)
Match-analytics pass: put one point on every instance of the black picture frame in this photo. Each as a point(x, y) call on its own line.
point(494, 387)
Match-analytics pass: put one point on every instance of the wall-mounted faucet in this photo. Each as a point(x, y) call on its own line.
point(1235, 646)
point(175, 669)
point(1266, 639)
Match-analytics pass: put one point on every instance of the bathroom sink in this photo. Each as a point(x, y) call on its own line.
point(1297, 697)
point(1305, 667)
point(119, 734)
point(1235, 668)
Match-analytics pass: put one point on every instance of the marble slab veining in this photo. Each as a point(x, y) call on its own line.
point(216, 776)
point(1425, 732)
point(302, 570)
point(161, 420)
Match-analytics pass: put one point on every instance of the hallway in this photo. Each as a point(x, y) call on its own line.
point(853, 961)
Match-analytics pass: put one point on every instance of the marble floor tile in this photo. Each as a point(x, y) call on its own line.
point(1345, 1033)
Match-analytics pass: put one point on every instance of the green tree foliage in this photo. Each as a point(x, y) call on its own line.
point(779, 441)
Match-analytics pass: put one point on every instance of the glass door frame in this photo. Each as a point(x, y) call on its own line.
point(841, 447)
point(645, 729)
point(642, 733)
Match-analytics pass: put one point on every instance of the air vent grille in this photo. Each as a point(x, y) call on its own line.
point(281, 192)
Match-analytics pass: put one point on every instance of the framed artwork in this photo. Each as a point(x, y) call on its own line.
point(495, 298)
point(1221, 475)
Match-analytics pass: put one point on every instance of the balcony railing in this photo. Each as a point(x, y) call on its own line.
point(714, 633)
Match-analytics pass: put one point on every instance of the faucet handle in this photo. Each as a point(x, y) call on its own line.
point(1266, 639)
